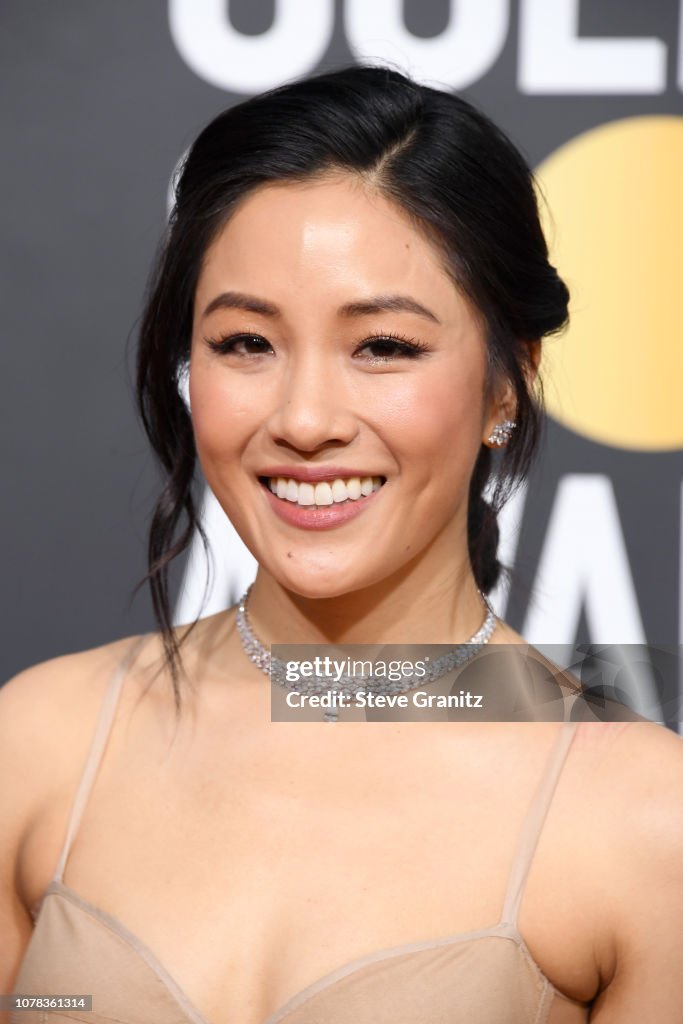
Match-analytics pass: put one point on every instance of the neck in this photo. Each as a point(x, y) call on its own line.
point(445, 608)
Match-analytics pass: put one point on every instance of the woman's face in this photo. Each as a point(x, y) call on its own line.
point(351, 355)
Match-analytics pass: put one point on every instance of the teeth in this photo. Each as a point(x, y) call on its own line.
point(306, 494)
point(353, 488)
point(292, 492)
point(327, 492)
point(323, 493)
point(339, 490)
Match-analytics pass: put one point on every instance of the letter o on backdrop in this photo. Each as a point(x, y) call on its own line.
point(461, 54)
point(209, 44)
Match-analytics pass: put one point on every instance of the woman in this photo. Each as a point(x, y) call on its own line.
point(356, 277)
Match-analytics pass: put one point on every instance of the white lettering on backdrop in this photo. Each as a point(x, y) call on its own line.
point(552, 57)
point(293, 45)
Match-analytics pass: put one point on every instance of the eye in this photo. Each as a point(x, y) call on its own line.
point(387, 347)
point(240, 344)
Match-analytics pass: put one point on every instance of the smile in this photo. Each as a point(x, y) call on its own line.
point(321, 505)
point(326, 492)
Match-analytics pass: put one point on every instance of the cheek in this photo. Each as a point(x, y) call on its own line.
point(437, 416)
point(221, 415)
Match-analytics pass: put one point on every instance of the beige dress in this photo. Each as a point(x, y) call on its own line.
point(486, 976)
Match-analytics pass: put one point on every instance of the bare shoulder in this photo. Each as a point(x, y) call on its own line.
point(639, 771)
point(646, 768)
point(47, 713)
point(47, 717)
point(51, 707)
point(32, 701)
point(636, 768)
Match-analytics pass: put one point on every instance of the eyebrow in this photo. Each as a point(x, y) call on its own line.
point(238, 300)
point(387, 303)
point(363, 307)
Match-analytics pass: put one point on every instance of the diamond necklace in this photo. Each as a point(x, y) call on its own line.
point(276, 669)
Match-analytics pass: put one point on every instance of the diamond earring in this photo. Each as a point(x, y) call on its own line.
point(183, 383)
point(501, 433)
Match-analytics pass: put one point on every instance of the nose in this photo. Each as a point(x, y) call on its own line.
point(313, 407)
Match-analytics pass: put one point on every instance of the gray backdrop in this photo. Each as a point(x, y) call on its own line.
point(100, 101)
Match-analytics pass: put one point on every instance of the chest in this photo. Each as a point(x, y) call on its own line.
point(252, 872)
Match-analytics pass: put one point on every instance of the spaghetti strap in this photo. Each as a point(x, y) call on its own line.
point(533, 824)
point(92, 761)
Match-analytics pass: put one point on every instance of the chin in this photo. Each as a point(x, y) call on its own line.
point(315, 589)
point(317, 583)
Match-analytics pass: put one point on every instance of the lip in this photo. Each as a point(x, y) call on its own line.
point(314, 474)
point(322, 518)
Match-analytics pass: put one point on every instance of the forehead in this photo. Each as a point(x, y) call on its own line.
point(332, 238)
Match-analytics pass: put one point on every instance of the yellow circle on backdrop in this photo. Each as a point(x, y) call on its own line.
point(614, 224)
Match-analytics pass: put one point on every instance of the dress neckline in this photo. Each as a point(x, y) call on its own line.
point(348, 968)
point(527, 840)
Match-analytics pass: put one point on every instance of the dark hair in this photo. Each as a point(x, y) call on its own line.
point(442, 161)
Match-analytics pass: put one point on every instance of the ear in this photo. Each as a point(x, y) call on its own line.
point(502, 406)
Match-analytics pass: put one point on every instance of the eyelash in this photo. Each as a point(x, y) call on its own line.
point(408, 348)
